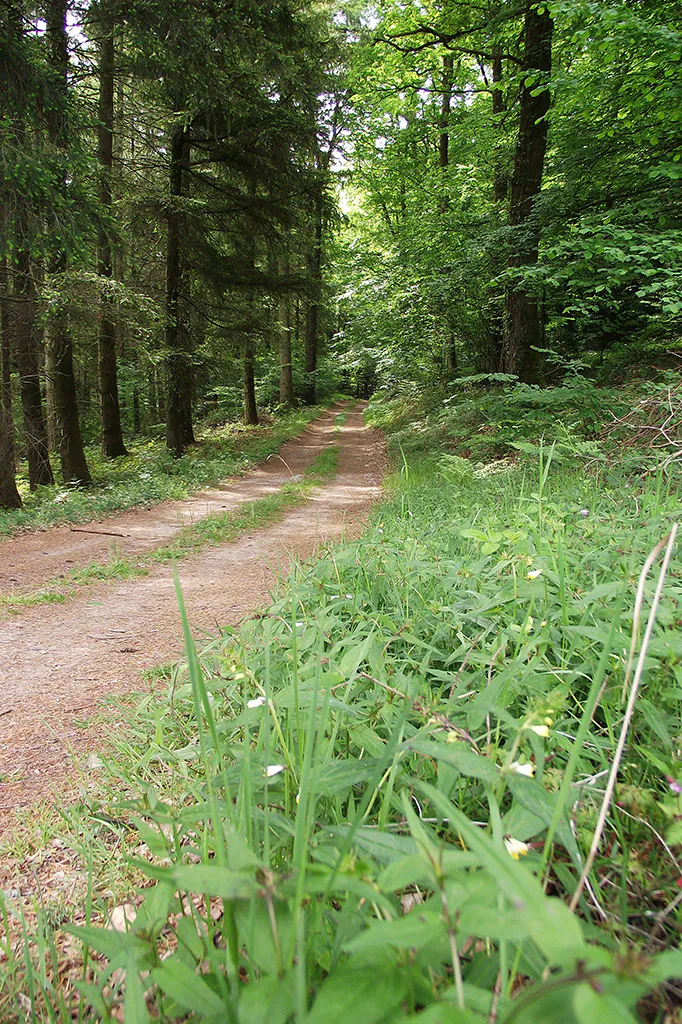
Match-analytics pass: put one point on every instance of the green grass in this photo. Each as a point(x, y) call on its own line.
point(150, 474)
point(218, 528)
point(356, 750)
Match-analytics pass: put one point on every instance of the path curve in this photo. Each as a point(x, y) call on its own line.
point(58, 661)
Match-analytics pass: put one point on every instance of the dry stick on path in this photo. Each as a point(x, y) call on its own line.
point(629, 711)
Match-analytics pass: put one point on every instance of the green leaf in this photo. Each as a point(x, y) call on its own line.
point(411, 931)
point(214, 880)
point(592, 1007)
point(135, 1004)
point(188, 989)
point(362, 996)
point(267, 1001)
point(459, 756)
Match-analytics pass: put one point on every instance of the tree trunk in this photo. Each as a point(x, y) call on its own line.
point(179, 431)
point(5, 362)
point(70, 442)
point(9, 495)
point(522, 327)
point(28, 363)
point(446, 100)
point(451, 360)
point(313, 309)
point(71, 454)
point(112, 435)
point(286, 377)
point(250, 407)
point(500, 180)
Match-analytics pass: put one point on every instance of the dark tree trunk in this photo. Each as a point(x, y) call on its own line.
point(313, 309)
point(28, 364)
point(71, 454)
point(500, 179)
point(9, 495)
point(136, 409)
point(451, 360)
point(5, 362)
point(286, 377)
point(522, 326)
point(250, 407)
point(179, 432)
point(112, 435)
point(310, 388)
point(446, 100)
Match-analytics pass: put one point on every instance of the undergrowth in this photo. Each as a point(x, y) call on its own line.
point(150, 474)
point(375, 802)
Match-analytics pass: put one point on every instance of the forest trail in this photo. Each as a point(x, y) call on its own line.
point(58, 661)
point(30, 560)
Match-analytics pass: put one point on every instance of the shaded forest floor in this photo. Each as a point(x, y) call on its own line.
point(60, 658)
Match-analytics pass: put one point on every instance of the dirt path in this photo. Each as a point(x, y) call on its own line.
point(31, 559)
point(58, 661)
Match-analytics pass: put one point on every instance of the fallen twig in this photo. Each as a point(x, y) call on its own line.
point(104, 533)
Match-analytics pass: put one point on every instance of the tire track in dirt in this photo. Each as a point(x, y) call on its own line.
point(29, 560)
point(58, 661)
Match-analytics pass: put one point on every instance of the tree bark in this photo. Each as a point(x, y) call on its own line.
point(5, 362)
point(500, 180)
point(313, 309)
point(179, 429)
point(522, 322)
point(71, 454)
point(446, 100)
point(9, 495)
point(250, 407)
point(28, 363)
point(286, 377)
point(112, 435)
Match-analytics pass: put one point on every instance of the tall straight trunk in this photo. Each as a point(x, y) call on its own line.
point(112, 435)
point(71, 454)
point(313, 309)
point(286, 377)
point(9, 495)
point(250, 407)
point(28, 363)
point(500, 181)
point(179, 431)
point(5, 362)
point(522, 323)
point(446, 100)
point(492, 356)
point(450, 348)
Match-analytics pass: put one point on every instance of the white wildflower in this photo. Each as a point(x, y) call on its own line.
point(515, 848)
point(540, 730)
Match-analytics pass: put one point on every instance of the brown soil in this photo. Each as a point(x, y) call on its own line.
point(58, 661)
point(30, 560)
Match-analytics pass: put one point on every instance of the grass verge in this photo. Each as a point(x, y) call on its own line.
point(375, 801)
